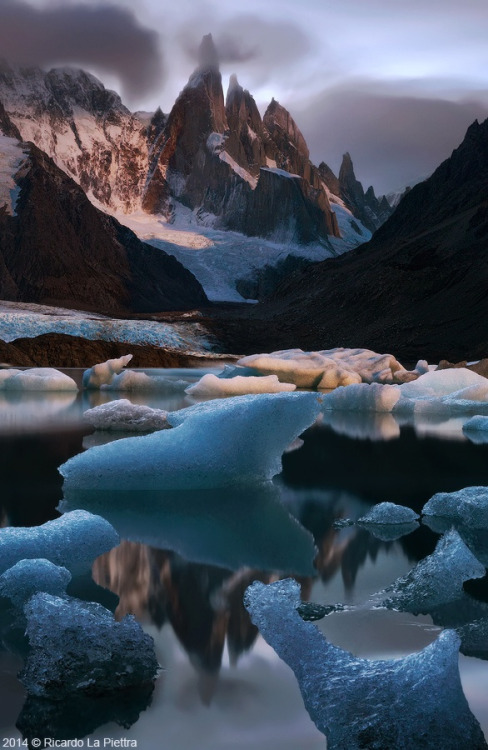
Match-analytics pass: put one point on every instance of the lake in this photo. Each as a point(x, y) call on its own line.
point(187, 558)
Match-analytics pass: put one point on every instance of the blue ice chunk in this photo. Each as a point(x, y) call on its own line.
point(72, 541)
point(468, 506)
point(78, 646)
point(27, 577)
point(414, 702)
point(437, 579)
point(221, 443)
point(388, 513)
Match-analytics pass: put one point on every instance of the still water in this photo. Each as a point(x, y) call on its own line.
point(186, 560)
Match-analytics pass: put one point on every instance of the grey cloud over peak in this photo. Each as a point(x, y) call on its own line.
point(393, 139)
point(103, 36)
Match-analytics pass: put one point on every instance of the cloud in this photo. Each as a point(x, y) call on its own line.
point(393, 139)
point(104, 36)
point(261, 49)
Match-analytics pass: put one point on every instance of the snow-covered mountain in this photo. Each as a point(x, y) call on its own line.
point(232, 168)
point(57, 248)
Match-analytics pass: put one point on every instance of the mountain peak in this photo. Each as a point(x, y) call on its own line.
point(208, 57)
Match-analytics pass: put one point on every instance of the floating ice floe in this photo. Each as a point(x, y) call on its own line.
point(28, 577)
point(124, 416)
point(436, 580)
point(220, 443)
point(362, 397)
point(72, 541)
point(36, 379)
point(438, 383)
point(476, 429)
point(330, 368)
point(414, 702)
point(77, 646)
point(468, 506)
point(212, 386)
point(104, 372)
point(388, 513)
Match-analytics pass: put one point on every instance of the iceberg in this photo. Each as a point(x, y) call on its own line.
point(72, 541)
point(413, 702)
point(476, 429)
point(36, 379)
point(213, 387)
point(78, 647)
point(388, 513)
point(222, 443)
point(331, 368)
point(437, 579)
point(104, 372)
point(27, 577)
point(468, 507)
point(362, 397)
point(438, 383)
point(124, 416)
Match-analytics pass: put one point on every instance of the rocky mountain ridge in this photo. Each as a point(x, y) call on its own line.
point(234, 169)
point(418, 288)
point(57, 248)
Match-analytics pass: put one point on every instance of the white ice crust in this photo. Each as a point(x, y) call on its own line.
point(214, 387)
point(468, 506)
point(28, 577)
point(78, 647)
point(221, 443)
point(414, 702)
point(36, 379)
point(388, 513)
point(124, 416)
point(437, 579)
point(330, 368)
point(72, 541)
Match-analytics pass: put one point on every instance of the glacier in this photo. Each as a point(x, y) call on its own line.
point(413, 702)
point(221, 443)
point(72, 541)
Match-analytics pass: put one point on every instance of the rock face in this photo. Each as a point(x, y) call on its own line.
point(417, 288)
point(57, 248)
point(372, 211)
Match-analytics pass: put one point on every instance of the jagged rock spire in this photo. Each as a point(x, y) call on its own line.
point(208, 57)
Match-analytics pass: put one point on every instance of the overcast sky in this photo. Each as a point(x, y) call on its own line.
point(394, 82)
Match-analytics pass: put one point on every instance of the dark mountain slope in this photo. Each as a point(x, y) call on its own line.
point(419, 288)
point(58, 249)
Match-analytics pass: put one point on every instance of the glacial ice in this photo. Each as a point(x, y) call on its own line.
point(104, 372)
point(437, 579)
point(212, 386)
point(27, 577)
point(78, 646)
point(413, 702)
point(33, 320)
point(124, 416)
point(362, 397)
point(72, 541)
point(36, 379)
point(221, 443)
point(438, 383)
point(330, 368)
point(388, 513)
point(468, 506)
point(476, 429)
